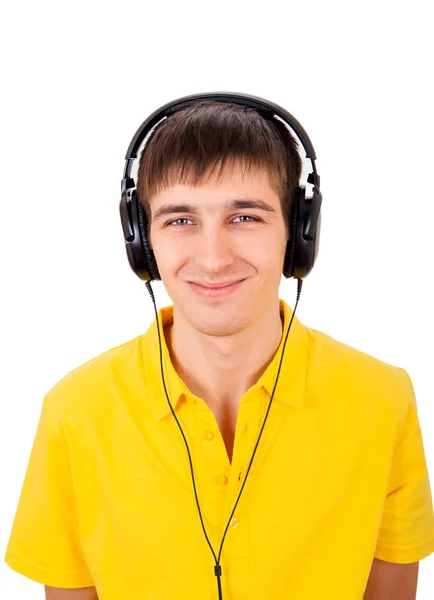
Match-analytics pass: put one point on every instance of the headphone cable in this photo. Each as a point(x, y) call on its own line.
point(217, 567)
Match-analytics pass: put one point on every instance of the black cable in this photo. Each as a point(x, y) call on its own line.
point(217, 567)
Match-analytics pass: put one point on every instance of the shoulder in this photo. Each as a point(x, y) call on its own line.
point(356, 377)
point(97, 383)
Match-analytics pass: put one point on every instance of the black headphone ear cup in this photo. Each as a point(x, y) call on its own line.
point(288, 265)
point(301, 252)
point(147, 250)
point(317, 239)
point(307, 249)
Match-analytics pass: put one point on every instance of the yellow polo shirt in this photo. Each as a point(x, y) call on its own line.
point(339, 478)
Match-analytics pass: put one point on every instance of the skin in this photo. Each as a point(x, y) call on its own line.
point(87, 593)
point(391, 581)
point(214, 341)
point(218, 337)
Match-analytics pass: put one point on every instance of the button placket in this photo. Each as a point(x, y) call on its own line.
point(210, 469)
point(213, 453)
point(243, 449)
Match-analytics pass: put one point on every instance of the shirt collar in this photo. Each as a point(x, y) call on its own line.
point(290, 387)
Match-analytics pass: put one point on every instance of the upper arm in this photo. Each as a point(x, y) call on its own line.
point(406, 533)
point(45, 541)
point(392, 581)
point(54, 593)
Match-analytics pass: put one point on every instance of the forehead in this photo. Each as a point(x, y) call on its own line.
point(215, 190)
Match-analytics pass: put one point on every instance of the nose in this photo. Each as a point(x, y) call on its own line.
point(214, 251)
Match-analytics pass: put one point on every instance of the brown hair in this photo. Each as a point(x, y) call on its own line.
point(187, 146)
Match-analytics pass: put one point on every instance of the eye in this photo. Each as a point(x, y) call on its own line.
point(176, 221)
point(248, 217)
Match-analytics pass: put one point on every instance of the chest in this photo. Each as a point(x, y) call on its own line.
point(310, 476)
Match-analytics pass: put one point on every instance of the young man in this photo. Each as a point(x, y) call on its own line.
point(337, 504)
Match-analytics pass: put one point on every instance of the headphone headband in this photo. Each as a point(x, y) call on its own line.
point(265, 106)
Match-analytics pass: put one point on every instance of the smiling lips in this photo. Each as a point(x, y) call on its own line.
point(215, 285)
point(215, 289)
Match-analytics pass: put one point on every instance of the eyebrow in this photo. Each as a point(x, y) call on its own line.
point(169, 209)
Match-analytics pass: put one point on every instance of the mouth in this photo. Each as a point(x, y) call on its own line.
point(215, 290)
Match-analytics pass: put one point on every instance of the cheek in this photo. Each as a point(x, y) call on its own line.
point(267, 250)
point(266, 258)
point(170, 256)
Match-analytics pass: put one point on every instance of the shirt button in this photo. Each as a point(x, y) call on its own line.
point(222, 480)
point(208, 435)
point(234, 522)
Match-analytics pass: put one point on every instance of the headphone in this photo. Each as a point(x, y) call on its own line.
point(300, 254)
point(305, 219)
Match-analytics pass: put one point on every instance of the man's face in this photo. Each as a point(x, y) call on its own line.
point(209, 242)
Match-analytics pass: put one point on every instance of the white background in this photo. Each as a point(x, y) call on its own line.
point(79, 78)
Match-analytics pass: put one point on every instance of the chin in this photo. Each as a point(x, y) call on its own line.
point(217, 327)
point(216, 319)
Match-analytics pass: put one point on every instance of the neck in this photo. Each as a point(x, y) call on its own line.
point(221, 369)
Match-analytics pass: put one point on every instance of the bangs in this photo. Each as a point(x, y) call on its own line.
point(193, 173)
point(211, 139)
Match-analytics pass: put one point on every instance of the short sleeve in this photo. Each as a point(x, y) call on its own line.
point(407, 529)
point(44, 543)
